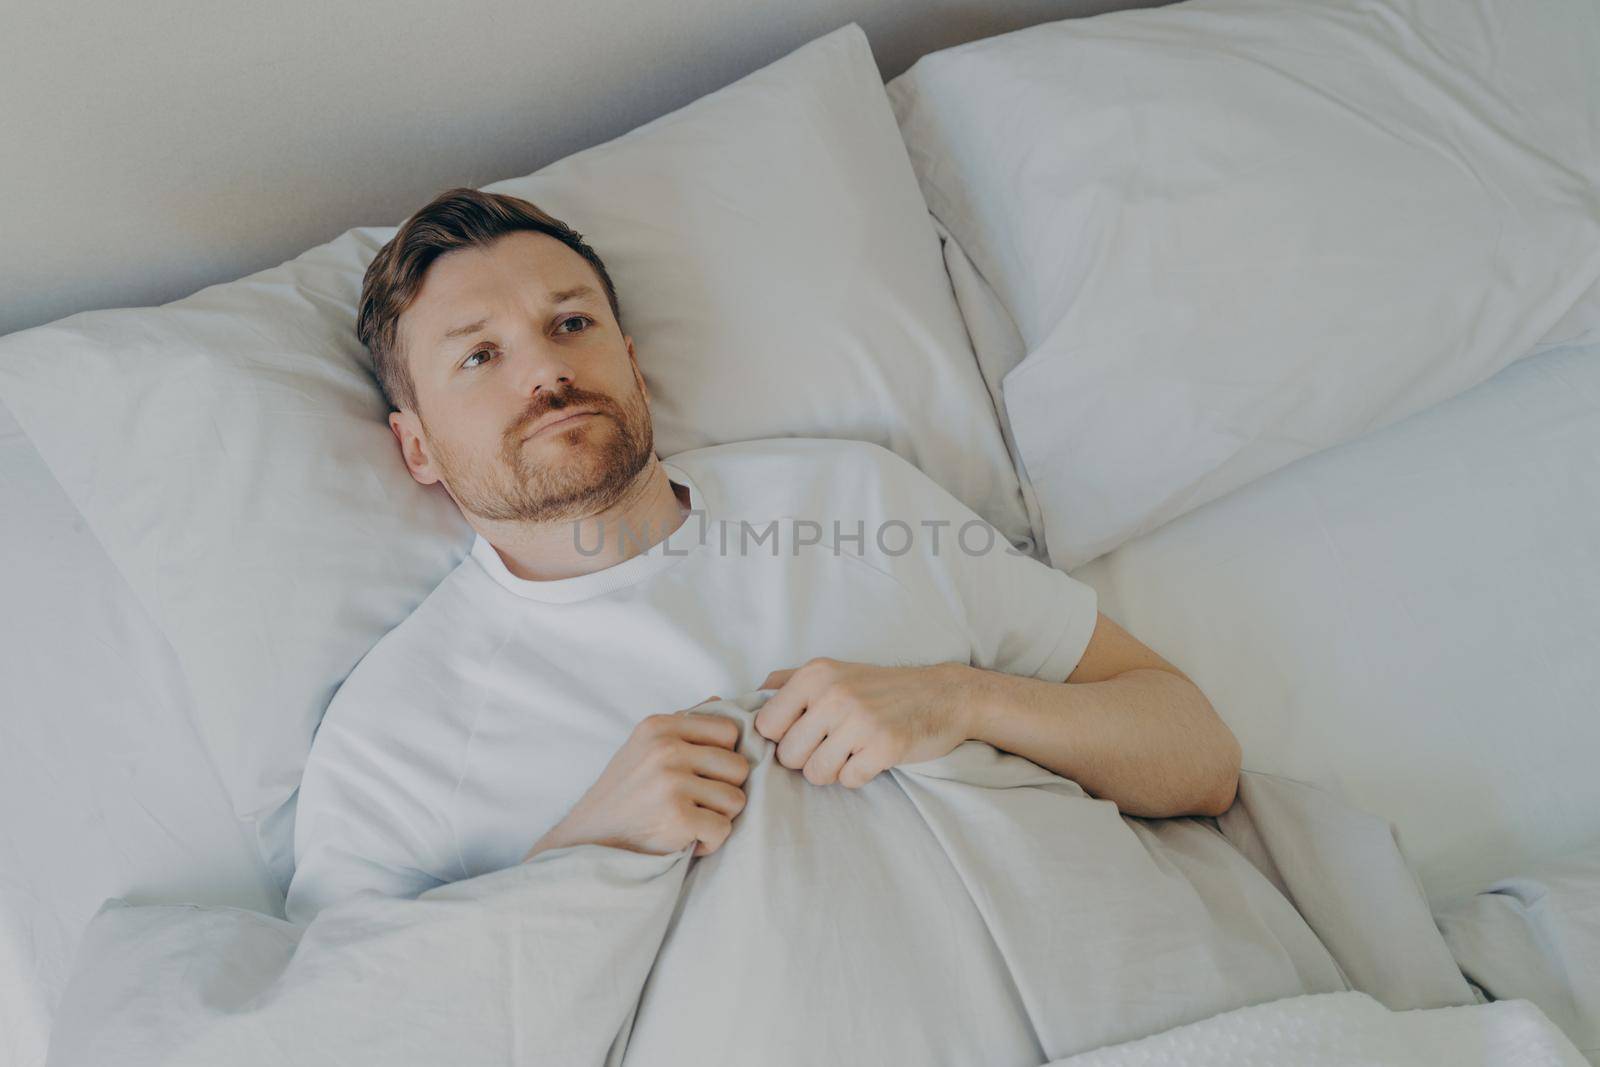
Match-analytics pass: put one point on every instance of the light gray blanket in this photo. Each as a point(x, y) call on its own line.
point(1536, 937)
point(970, 909)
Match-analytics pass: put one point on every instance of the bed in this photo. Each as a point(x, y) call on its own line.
point(1366, 528)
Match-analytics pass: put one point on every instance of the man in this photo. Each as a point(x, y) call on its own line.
point(529, 702)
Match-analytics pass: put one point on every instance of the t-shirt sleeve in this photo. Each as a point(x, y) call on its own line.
point(361, 822)
point(1021, 616)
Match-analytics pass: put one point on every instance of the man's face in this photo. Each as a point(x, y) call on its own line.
point(502, 340)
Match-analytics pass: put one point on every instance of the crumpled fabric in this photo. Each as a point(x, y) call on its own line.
point(972, 908)
point(1351, 1029)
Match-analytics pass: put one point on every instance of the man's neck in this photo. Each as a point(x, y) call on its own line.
point(643, 517)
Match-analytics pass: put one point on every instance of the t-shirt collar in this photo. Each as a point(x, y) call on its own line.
point(690, 536)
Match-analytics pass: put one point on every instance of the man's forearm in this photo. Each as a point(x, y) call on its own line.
point(1147, 739)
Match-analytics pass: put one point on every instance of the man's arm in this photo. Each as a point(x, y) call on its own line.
point(1126, 725)
point(367, 817)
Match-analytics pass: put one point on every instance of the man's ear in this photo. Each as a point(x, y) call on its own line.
point(407, 431)
point(637, 373)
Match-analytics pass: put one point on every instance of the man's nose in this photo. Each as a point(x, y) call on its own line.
point(546, 371)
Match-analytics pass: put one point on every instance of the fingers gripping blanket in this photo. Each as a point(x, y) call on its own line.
point(974, 908)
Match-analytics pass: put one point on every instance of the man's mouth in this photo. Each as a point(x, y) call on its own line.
point(567, 419)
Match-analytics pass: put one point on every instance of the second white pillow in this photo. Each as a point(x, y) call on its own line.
point(1234, 232)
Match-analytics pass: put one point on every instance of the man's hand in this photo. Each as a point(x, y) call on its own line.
point(675, 780)
point(849, 722)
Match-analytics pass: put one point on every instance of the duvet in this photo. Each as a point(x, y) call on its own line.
point(974, 908)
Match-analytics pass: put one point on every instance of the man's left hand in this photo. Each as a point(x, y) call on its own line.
point(849, 722)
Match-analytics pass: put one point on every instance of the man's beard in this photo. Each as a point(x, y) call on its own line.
point(585, 478)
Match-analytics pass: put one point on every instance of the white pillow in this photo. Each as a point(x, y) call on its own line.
point(1580, 325)
point(106, 788)
point(775, 264)
point(998, 348)
point(1234, 232)
point(229, 452)
point(770, 244)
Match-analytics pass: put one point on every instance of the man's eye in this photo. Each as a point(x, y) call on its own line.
point(467, 363)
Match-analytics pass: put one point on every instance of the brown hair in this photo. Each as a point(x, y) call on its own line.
point(456, 218)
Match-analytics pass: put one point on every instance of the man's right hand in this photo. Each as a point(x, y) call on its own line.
point(675, 780)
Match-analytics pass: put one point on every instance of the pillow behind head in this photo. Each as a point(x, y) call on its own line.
point(775, 265)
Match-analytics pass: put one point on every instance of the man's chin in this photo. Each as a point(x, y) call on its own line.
point(586, 476)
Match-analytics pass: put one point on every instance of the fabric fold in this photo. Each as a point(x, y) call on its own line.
point(972, 908)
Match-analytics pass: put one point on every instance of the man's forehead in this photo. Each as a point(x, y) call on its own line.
point(557, 296)
point(463, 288)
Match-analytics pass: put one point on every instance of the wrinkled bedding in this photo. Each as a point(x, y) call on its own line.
point(1351, 1030)
point(1536, 937)
point(974, 908)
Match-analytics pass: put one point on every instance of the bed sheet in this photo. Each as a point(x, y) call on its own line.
point(1409, 619)
point(106, 790)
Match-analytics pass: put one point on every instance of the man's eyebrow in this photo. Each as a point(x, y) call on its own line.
point(572, 294)
point(461, 331)
point(558, 297)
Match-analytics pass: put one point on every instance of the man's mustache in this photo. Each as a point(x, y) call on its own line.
point(544, 404)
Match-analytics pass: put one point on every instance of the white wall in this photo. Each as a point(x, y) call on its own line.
point(151, 148)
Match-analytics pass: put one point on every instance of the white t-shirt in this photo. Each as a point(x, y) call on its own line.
point(474, 726)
